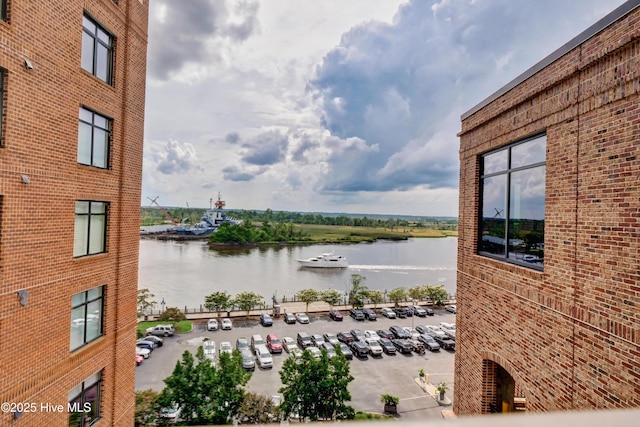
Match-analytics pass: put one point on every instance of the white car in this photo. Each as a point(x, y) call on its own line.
point(143, 352)
point(374, 346)
point(388, 313)
point(263, 357)
point(226, 325)
point(225, 347)
point(212, 325)
point(288, 343)
point(302, 318)
point(371, 335)
point(450, 308)
point(209, 347)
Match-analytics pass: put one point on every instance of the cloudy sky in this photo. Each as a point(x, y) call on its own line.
point(333, 105)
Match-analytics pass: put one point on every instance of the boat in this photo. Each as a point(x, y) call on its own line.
point(326, 260)
point(209, 222)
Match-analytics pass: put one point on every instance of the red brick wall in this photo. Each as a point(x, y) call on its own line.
point(569, 336)
point(40, 132)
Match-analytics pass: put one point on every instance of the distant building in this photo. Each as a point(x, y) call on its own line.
point(548, 285)
point(72, 83)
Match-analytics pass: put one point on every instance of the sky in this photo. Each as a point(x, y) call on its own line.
point(333, 105)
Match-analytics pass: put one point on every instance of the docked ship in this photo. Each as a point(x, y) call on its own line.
point(326, 260)
point(209, 222)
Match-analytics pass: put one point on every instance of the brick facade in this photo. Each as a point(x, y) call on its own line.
point(568, 336)
point(40, 140)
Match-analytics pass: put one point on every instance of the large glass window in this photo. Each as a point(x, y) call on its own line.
point(86, 317)
point(84, 402)
point(513, 202)
point(94, 134)
point(90, 228)
point(97, 50)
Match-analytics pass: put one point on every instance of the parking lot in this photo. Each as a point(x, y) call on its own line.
point(374, 376)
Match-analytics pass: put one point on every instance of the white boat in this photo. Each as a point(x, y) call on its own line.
point(326, 260)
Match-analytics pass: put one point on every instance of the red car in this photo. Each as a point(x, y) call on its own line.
point(139, 360)
point(335, 315)
point(274, 344)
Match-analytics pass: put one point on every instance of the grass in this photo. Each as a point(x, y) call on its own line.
point(181, 327)
point(346, 234)
point(371, 416)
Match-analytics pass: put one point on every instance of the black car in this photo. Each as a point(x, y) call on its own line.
point(429, 343)
point(385, 333)
point(342, 347)
point(356, 314)
point(357, 334)
point(429, 311)
point(399, 332)
point(370, 314)
point(423, 329)
point(400, 312)
point(336, 315)
point(403, 345)
point(445, 342)
point(266, 320)
point(387, 346)
point(418, 311)
point(289, 318)
point(359, 349)
point(346, 337)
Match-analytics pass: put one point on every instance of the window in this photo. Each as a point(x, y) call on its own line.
point(512, 200)
point(94, 134)
point(90, 228)
point(2, 99)
point(84, 402)
point(97, 50)
point(3, 10)
point(86, 317)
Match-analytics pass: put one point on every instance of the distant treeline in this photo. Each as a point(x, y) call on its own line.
point(153, 215)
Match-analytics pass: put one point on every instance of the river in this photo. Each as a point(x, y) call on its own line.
point(183, 273)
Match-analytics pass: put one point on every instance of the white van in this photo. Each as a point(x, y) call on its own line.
point(263, 357)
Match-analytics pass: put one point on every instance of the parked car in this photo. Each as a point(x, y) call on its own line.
point(356, 314)
point(387, 346)
point(139, 360)
point(315, 352)
point(317, 339)
point(388, 313)
point(414, 334)
point(429, 343)
point(450, 308)
point(209, 348)
point(419, 311)
point(359, 349)
point(248, 362)
point(385, 333)
point(399, 332)
point(400, 312)
point(242, 343)
point(154, 339)
point(145, 344)
point(403, 345)
point(225, 347)
point(445, 342)
point(422, 329)
point(336, 315)
point(435, 331)
point(304, 340)
point(302, 318)
point(274, 344)
point(289, 318)
point(266, 320)
point(369, 314)
point(330, 349)
point(346, 337)
point(212, 325)
point(357, 334)
point(449, 329)
point(161, 330)
point(370, 334)
point(256, 340)
point(375, 349)
point(226, 325)
point(429, 311)
point(345, 350)
point(296, 353)
point(263, 357)
point(331, 338)
point(288, 343)
point(142, 352)
point(170, 415)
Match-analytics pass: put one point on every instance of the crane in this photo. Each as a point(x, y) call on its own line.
point(166, 214)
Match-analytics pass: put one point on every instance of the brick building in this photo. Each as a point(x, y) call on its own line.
point(72, 82)
point(548, 279)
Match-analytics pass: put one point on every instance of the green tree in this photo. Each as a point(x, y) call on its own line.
point(172, 314)
point(146, 410)
point(308, 296)
point(258, 409)
point(145, 301)
point(331, 297)
point(376, 297)
point(437, 294)
point(358, 291)
point(218, 301)
point(397, 294)
point(316, 388)
point(247, 300)
point(417, 293)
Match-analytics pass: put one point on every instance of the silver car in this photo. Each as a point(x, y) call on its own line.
point(248, 361)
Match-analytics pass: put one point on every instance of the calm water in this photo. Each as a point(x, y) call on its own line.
point(183, 273)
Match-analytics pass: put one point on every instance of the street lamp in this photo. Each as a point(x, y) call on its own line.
point(162, 303)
